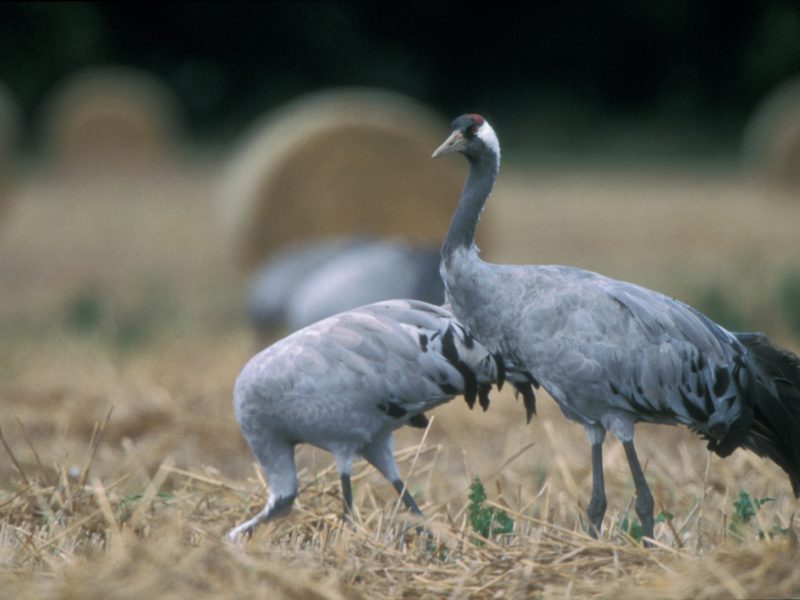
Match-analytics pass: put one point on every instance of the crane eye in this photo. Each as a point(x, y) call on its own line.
point(472, 130)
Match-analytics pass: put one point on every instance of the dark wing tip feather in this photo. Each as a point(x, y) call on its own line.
point(420, 421)
point(450, 352)
point(470, 383)
point(392, 409)
point(528, 399)
point(483, 395)
point(501, 369)
point(470, 397)
point(776, 427)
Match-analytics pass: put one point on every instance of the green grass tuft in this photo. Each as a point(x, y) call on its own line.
point(486, 521)
point(633, 528)
point(745, 508)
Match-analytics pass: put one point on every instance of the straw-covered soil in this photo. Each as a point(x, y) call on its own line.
point(122, 466)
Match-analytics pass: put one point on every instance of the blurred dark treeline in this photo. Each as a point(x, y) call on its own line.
point(689, 62)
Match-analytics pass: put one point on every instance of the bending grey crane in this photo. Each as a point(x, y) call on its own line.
point(613, 353)
point(346, 383)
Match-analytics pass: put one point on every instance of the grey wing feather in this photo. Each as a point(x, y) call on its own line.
point(392, 360)
point(646, 354)
point(449, 360)
point(689, 362)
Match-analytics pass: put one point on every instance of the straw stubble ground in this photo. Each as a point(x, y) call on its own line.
point(122, 466)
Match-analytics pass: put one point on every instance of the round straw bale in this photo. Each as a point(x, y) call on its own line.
point(771, 145)
point(111, 117)
point(342, 162)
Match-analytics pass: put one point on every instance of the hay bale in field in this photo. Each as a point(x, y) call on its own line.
point(111, 117)
point(339, 163)
point(771, 144)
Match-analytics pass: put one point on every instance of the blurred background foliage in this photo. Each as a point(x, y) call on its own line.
point(694, 70)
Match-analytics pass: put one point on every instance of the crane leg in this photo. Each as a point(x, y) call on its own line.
point(380, 456)
point(347, 494)
point(597, 503)
point(344, 465)
point(277, 462)
point(644, 498)
point(276, 506)
point(407, 498)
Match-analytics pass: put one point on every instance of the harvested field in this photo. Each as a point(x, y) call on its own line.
point(121, 333)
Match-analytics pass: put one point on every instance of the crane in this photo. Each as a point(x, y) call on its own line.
point(272, 285)
point(612, 353)
point(313, 280)
point(345, 383)
point(373, 270)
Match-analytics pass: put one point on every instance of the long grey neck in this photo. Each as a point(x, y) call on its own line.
point(480, 179)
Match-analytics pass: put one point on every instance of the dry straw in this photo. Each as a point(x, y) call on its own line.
point(87, 535)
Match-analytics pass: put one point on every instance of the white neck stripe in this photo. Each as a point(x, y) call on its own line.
point(489, 137)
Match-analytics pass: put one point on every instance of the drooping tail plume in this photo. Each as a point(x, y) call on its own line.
point(523, 383)
point(776, 424)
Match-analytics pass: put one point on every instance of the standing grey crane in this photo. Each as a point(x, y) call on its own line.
point(612, 353)
point(347, 382)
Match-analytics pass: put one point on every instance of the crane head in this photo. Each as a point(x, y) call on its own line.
point(471, 134)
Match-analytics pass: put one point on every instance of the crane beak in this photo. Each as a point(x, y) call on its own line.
point(454, 143)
